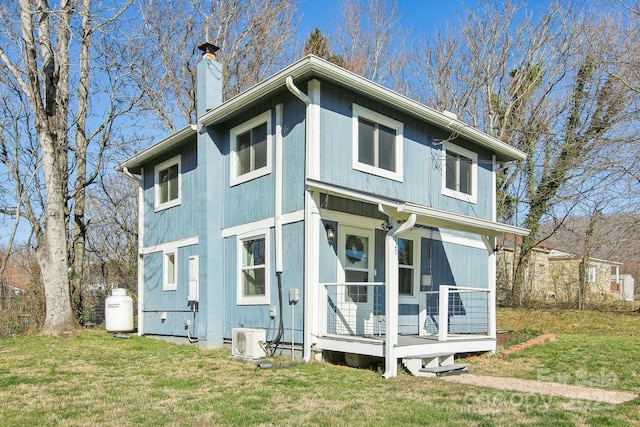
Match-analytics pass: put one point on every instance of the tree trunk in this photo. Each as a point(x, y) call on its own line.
point(51, 249)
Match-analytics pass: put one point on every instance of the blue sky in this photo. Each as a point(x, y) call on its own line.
point(422, 16)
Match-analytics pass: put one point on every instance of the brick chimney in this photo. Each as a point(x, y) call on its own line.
point(209, 79)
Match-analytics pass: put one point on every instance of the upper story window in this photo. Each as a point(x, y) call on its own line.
point(459, 173)
point(377, 144)
point(253, 273)
point(251, 149)
point(167, 184)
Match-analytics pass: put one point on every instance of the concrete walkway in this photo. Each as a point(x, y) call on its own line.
point(541, 387)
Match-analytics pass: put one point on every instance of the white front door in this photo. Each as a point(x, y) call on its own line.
point(355, 302)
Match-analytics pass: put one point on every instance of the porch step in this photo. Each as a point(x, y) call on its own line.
point(454, 369)
point(430, 365)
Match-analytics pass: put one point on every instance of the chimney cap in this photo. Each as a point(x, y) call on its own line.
point(208, 48)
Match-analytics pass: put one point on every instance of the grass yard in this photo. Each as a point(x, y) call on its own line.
point(95, 379)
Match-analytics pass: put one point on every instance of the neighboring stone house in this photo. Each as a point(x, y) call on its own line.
point(602, 277)
point(536, 275)
point(553, 275)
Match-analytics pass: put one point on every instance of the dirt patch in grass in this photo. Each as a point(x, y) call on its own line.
point(541, 339)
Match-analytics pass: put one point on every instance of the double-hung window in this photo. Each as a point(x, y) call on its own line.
point(253, 274)
point(406, 268)
point(251, 149)
point(377, 144)
point(167, 184)
point(591, 273)
point(459, 173)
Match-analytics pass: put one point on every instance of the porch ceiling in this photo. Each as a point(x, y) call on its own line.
point(425, 215)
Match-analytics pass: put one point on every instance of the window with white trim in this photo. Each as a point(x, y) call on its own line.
point(170, 267)
point(406, 268)
point(251, 149)
point(253, 273)
point(459, 173)
point(167, 184)
point(377, 144)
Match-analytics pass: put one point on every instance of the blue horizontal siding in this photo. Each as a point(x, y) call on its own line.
point(422, 159)
point(156, 300)
point(178, 222)
point(257, 316)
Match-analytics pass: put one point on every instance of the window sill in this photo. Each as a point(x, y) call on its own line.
point(167, 205)
point(250, 176)
point(383, 173)
point(253, 301)
point(469, 198)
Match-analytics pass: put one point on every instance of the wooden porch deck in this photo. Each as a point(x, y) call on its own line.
point(408, 345)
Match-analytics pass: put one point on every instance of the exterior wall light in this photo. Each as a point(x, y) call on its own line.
point(331, 233)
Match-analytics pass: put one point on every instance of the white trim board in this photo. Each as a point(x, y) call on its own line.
point(249, 227)
point(162, 247)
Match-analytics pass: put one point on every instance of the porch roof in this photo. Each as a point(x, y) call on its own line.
point(425, 215)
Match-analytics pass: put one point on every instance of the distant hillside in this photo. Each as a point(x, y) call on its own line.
point(615, 238)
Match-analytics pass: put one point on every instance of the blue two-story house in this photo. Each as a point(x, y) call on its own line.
point(320, 212)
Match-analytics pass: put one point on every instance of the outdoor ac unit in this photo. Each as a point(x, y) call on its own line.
point(245, 342)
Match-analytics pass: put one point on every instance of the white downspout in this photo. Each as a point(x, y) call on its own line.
point(278, 190)
point(391, 292)
point(140, 246)
point(308, 230)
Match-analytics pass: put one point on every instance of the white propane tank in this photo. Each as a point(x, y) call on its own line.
point(118, 311)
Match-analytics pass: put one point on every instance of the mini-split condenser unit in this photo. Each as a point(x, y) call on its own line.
point(245, 342)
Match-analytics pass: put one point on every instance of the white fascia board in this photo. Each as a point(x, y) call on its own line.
point(157, 148)
point(455, 221)
point(320, 67)
point(351, 194)
point(426, 215)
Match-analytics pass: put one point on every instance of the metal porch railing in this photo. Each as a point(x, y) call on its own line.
point(354, 309)
point(358, 309)
point(467, 312)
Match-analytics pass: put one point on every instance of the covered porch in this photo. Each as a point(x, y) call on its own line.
point(366, 317)
point(360, 328)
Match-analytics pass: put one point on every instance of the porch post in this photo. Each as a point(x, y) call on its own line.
point(490, 243)
point(391, 293)
point(391, 304)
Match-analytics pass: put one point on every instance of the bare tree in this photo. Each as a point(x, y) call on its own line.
point(548, 83)
point(67, 92)
point(254, 36)
point(112, 243)
point(371, 42)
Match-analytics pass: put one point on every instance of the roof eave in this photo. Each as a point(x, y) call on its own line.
point(157, 148)
point(320, 67)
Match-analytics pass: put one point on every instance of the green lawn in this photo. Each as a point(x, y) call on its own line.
point(95, 379)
